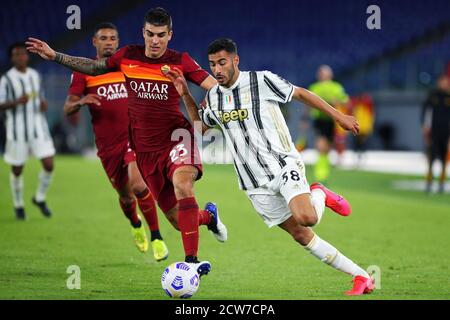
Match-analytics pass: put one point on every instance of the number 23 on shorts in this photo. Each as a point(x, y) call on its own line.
point(178, 152)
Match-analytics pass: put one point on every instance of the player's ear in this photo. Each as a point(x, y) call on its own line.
point(94, 41)
point(170, 34)
point(236, 60)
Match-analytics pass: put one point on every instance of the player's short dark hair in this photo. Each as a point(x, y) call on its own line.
point(158, 17)
point(15, 45)
point(105, 25)
point(222, 44)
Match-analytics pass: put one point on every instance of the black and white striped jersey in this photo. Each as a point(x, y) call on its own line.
point(24, 122)
point(255, 130)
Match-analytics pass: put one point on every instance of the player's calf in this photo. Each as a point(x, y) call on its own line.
point(300, 234)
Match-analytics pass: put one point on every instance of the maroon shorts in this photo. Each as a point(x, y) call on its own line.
point(157, 169)
point(115, 162)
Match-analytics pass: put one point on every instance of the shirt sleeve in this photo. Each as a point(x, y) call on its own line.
point(77, 84)
point(3, 90)
point(192, 70)
point(113, 62)
point(277, 88)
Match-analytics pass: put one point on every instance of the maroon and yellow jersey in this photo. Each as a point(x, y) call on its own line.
point(110, 119)
point(153, 100)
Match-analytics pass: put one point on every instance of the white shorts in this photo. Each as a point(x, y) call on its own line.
point(271, 201)
point(17, 152)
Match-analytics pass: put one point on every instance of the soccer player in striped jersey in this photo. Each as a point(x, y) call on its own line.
point(107, 99)
point(21, 96)
point(270, 170)
point(169, 165)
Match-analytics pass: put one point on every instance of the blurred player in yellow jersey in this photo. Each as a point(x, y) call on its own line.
point(333, 93)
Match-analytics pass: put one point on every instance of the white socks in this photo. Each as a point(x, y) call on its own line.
point(16, 184)
point(330, 255)
point(45, 178)
point(318, 202)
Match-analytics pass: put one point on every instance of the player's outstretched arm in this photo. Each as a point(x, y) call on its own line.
point(307, 97)
point(74, 103)
point(80, 64)
point(176, 76)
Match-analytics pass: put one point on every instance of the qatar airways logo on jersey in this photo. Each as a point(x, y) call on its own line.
point(113, 91)
point(150, 90)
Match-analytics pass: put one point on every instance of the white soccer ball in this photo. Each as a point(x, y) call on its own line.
point(179, 280)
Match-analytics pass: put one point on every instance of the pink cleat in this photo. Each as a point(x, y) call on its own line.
point(334, 201)
point(361, 285)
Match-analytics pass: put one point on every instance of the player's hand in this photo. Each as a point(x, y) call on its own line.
point(176, 76)
point(41, 48)
point(22, 100)
point(348, 123)
point(44, 106)
point(90, 99)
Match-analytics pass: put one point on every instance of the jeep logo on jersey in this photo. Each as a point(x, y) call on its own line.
point(113, 91)
point(233, 115)
point(150, 90)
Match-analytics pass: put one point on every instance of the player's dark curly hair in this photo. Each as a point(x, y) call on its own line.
point(222, 44)
point(158, 17)
point(15, 45)
point(104, 25)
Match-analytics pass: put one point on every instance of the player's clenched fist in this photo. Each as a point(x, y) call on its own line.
point(348, 123)
point(176, 76)
point(41, 48)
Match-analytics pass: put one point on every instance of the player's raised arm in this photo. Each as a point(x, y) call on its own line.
point(176, 76)
point(307, 97)
point(80, 64)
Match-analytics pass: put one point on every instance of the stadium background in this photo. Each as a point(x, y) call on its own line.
point(396, 65)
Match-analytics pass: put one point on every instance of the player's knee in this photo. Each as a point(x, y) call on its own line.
point(48, 166)
point(306, 219)
point(184, 189)
point(17, 171)
point(137, 187)
point(126, 200)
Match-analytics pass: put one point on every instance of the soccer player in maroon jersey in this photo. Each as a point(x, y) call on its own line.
point(107, 98)
point(168, 163)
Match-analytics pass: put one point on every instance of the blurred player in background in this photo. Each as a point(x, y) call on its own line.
point(269, 168)
point(169, 165)
point(107, 98)
point(436, 129)
point(21, 95)
point(334, 94)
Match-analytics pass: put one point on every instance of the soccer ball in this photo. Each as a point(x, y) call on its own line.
point(179, 280)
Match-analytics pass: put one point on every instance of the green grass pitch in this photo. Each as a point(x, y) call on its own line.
point(406, 234)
